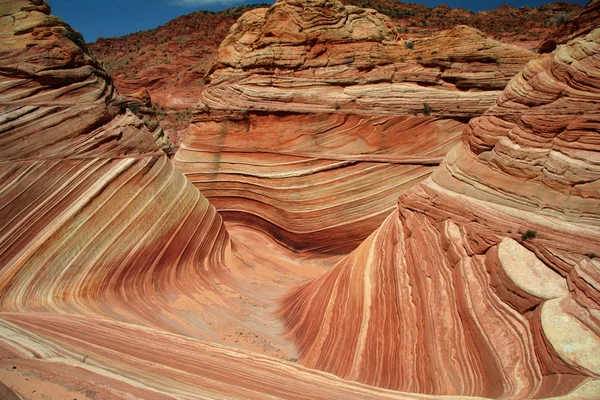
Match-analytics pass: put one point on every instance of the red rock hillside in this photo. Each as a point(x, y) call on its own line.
point(172, 60)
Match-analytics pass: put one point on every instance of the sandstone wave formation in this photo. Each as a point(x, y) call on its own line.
point(485, 279)
point(119, 279)
point(307, 107)
point(104, 243)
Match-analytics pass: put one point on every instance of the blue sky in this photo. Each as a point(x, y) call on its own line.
point(110, 18)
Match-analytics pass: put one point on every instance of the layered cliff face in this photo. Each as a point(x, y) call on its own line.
point(485, 279)
point(316, 182)
point(330, 56)
point(310, 103)
point(172, 60)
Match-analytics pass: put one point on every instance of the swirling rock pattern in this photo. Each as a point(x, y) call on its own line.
point(309, 103)
point(308, 180)
point(119, 279)
point(95, 220)
point(485, 280)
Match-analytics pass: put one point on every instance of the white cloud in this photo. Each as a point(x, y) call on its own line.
point(197, 3)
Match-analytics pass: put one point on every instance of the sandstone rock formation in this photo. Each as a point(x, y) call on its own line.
point(585, 22)
point(56, 100)
point(485, 280)
point(118, 279)
point(95, 218)
point(336, 57)
point(100, 233)
point(140, 104)
point(309, 179)
point(172, 60)
point(311, 103)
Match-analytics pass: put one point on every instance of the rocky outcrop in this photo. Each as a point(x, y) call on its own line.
point(57, 102)
point(348, 58)
point(485, 280)
point(172, 60)
point(140, 104)
point(581, 25)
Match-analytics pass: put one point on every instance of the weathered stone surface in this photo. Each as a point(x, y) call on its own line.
point(537, 148)
point(585, 22)
point(331, 56)
point(118, 279)
point(98, 227)
point(485, 280)
point(55, 99)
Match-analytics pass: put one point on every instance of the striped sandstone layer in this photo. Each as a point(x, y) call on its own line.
point(485, 281)
point(114, 269)
point(66, 356)
point(319, 55)
point(315, 182)
point(118, 279)
point(96, 221)
point(319, 115)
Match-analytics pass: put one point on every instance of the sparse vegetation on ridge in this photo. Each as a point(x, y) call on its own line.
point(426, 109)
point(530, 234)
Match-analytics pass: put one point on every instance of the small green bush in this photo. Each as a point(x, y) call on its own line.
point(73, 36)
point(530, 234)
point(134, 108)
point(410, 44)
point(561, 18)
point(426, 109)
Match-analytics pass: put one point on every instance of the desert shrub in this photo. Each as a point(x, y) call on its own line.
point(410, 44)
point(134, 108)
point(561, 18)
point(426, 109)
point(73, 36)
point(530, 234)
